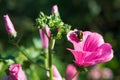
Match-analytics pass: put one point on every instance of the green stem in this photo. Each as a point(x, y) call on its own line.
point(50, 49)
point(24, 53)
point(46, 59)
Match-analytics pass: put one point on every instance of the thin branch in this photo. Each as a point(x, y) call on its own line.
point(24, 53)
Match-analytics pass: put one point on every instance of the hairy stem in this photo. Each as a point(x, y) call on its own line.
point(46, 60)
point(50, 49)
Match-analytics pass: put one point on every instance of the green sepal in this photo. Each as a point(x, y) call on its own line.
point(14, 40)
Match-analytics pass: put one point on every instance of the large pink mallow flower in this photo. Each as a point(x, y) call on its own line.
point(9, 26)
point(56, 74)
point(15, 73)
point(44, 34)
point(90, 50)
point(70, 72)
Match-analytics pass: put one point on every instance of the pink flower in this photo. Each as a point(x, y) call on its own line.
point(55, 9)
point(107, 73)
point(95, 73)
point(91, 50)
point(100, 73)
point(70, 72)
point(44, 37)
point(56, 74)
point(9, 26)
point(16, 73)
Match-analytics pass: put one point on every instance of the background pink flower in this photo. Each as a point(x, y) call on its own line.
point(100, 73)
point(107, 73)
point(95, 73)
point(16, 73)
point(70, 72)
point(91, 50)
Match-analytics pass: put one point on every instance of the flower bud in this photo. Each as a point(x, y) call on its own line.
point(56, 74)
point(44, 34)
point(58, 28)
point(70, 72)
point(9, 26)
point(55, 9)
point(15, 73)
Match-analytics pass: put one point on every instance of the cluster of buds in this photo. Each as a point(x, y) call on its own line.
point(54, 22)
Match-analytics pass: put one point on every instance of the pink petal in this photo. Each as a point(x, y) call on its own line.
point(92, 42)
point(55, 9)
point(72, 37)
point(85, 35)
point(14, 69)
point(21, 75)
point(79, 57)
point(104, 54)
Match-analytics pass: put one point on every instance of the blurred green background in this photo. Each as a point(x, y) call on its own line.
point(102, 16)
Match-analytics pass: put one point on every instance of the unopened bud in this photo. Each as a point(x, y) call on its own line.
point(44, 34)
point(9, 26)
point(55, 9)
